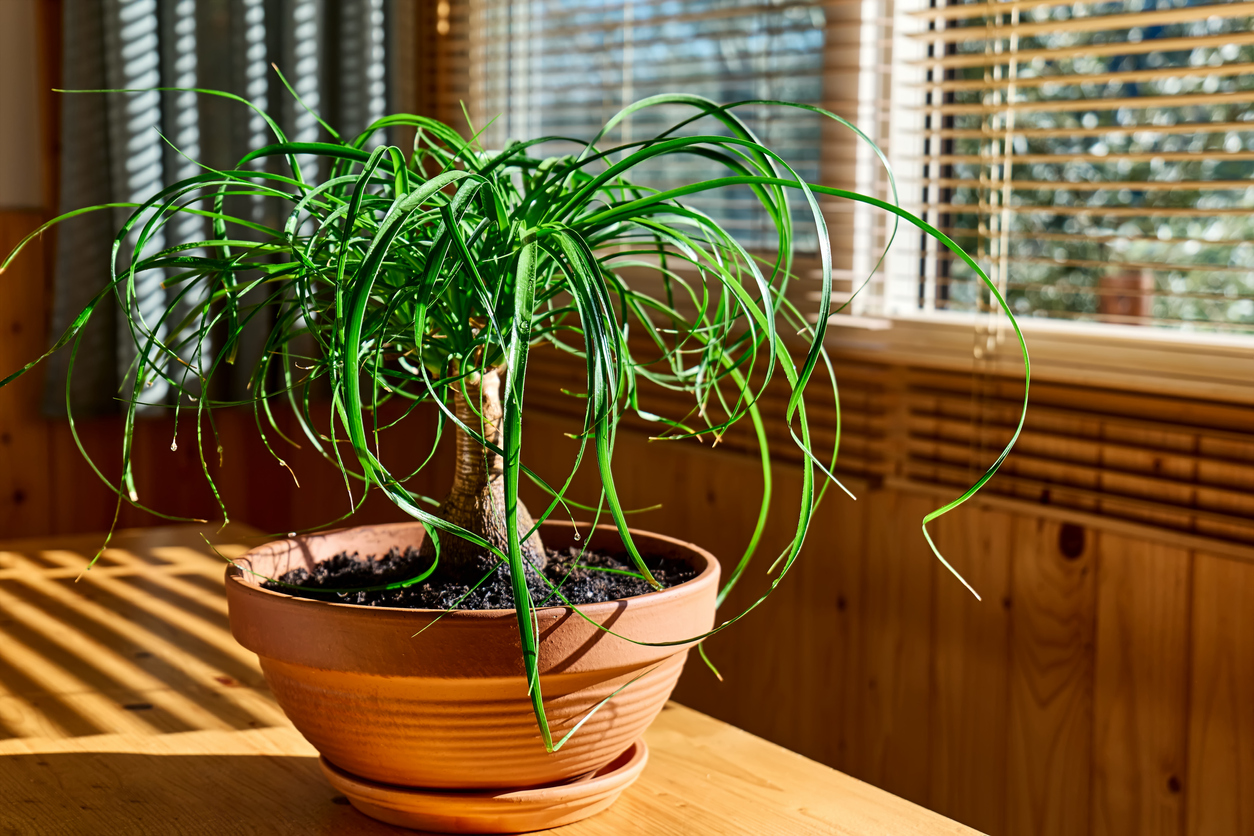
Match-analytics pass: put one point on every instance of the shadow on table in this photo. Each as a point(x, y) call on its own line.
point(124, 637)
point(115, 794)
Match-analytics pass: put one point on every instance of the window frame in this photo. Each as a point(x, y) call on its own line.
point(1180, 361)
point(1140, 358)
point(1144, 359)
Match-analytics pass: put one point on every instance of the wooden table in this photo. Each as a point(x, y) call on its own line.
point(127, 708)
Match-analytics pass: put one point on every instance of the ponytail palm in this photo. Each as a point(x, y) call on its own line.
point(430, 276)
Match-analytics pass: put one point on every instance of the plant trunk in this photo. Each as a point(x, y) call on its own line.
point(476, 501)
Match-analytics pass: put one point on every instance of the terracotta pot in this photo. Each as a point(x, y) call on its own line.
point(449, 709)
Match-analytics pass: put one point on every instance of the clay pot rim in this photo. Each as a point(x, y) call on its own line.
point(706, 575)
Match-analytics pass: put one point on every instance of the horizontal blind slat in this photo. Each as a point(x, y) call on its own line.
point(1101, 238)
point(1111, 211)
point(1153, 266)
point(1072, 80)
point(1072, 186)
point(963, 11)
point(1024, 56)
point(1165, 156)
point(1186, 127)
point(1096, 23)
point(1096, 104)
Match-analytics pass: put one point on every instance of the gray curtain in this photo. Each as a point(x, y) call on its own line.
point(334, 53)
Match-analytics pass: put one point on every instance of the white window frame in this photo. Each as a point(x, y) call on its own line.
point(889, 326)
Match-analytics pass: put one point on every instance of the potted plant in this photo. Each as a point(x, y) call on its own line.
point(452, 678)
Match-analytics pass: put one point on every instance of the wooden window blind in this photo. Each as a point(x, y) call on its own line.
point(1097, 156)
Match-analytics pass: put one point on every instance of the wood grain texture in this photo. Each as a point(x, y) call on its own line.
point(25, 494)
point(704, 777)
point(1220, 781)
point(1141, 688)
point(890, 721)
point(970, 670)
point(711, 497)
point(813, 612)
point(22, 162)
point(119, 727)
point(1050, 726)
point(1176, 464)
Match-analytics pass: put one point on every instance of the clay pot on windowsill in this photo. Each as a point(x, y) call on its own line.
point(436, 730)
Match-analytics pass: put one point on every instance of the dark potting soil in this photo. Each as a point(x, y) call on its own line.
point(580, 577)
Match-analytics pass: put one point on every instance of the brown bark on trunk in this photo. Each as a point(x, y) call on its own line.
point(476, 501)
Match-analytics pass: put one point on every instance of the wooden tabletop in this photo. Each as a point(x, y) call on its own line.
point(126, 707)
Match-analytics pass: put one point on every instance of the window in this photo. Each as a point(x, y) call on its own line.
point(1097, 157)
point(1094, 155)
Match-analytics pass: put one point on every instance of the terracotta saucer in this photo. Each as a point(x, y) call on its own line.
point(492, 811)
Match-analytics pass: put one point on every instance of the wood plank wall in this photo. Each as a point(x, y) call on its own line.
point(1103, 685)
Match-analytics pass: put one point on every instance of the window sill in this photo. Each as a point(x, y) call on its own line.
point(1195, 365)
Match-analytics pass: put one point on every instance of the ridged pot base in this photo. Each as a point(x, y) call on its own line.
point(492, 811)
point(384, 698)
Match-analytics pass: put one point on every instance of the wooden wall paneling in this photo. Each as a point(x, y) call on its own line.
point(26, 495)
point(1050, 727)
point(1141, 687)
point(22, 162)
point(254, 487)
point(829, 576)
point(970, 669)
point(243, 469)
point(170, 476)
point(1088, 401)
point(1226, 461)
point(784, 665)
point(83, 502)
point(1144, 458)
point(890, 721)
point(322, 495)
point(1219, 786)
point(787, 663)
point(310, 491)
point(707, 496)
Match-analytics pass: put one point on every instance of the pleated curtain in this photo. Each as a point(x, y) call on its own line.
point(124, 147)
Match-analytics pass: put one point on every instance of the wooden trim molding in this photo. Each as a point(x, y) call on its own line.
point(1188, 364)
